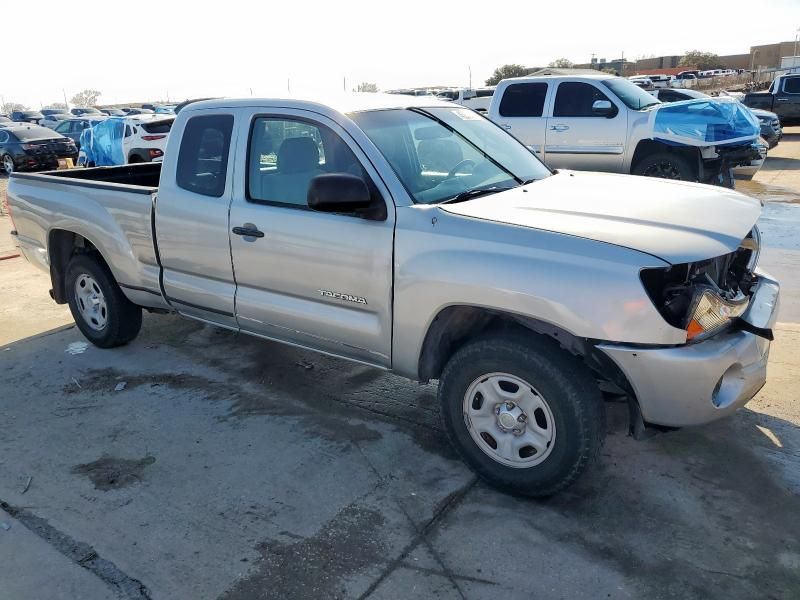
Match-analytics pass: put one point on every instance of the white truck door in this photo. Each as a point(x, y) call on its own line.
point(319, 280)
point(521, 113)
point(581, 137)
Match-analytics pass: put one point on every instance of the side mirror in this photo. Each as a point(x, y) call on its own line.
point(338, 193)
point(603, 108)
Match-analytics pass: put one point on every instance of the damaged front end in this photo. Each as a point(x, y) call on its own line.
point(706, 297)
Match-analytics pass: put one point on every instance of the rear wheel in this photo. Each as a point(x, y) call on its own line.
point(8, 164)
point(524, 414)
point(100, 309)
point(666, 165)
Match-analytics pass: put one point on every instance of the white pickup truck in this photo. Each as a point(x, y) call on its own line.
point(411, 234)
point(606, 123)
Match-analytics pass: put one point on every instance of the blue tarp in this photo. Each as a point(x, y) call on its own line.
point(704, 122)
point(101, 144)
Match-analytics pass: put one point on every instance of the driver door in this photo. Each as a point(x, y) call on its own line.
point(318, 280)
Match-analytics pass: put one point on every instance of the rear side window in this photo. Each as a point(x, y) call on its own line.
point(158, 126)
point(523, 100)
point(575, 99)
point(792, 85)
point(203, 156)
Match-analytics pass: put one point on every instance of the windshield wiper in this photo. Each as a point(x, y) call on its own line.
point(452, 129)
point(470, 194)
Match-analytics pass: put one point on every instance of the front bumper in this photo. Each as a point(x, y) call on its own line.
point(698, 383)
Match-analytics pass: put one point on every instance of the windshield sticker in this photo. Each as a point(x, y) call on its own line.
point(466, 114)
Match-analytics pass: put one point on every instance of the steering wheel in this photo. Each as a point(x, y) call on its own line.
point(464, 163)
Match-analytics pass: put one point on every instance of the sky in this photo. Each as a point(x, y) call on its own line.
point(176, 50)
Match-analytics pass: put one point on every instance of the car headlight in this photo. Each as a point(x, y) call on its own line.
point(710, 313)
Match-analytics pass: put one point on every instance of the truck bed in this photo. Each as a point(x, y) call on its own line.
point(144, 177)
point(108, 207)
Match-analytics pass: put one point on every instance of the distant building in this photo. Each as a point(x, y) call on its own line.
point(619, 66)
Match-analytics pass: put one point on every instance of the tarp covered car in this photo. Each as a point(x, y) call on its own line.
point(101, 144)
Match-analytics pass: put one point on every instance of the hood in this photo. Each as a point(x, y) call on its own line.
point(675, 221)
point(763, 113)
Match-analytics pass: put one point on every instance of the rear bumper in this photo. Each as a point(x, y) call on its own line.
point(698, 383)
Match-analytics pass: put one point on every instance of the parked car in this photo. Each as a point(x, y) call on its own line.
point(52, 120)
point(642, 81)
point(660, 80)
point(80, 111)
point(603, 123)
point(142, 138)
point(74, 126)
point(26, 116)
point(782, 98)
point(146, 139)
point(475, 273)
point(150, 107)
point(165, 109)
point(113, 112)
point(476, 99)
point(33, 148)
point(4, 119)
point(53, 111)
point(771, 130)
point(138, 111)
point(186, 103)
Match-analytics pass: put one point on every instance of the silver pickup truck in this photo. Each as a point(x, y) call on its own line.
point(413, 235)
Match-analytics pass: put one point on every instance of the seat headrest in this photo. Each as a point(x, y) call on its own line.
point(298, 154)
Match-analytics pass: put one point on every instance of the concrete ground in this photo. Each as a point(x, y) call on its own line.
point(195, 463)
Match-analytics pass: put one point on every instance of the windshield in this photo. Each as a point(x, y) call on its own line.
point(441, 153)
point(631, 94)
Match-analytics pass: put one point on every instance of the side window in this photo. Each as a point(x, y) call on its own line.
point(523, 100)
point(203, 155)
point(3, 136)
point(792, 85)
point(669, 96)
point(286, 154)
point(575, 99)
point(63, 127)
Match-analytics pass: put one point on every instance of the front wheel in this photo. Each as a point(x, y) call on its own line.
point(100, 309)
point(665, 165)
point(524, 414)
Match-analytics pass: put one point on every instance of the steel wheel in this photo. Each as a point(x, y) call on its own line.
point(91, 302)
point(8, 164)
point(664, 170)
point(509, 420)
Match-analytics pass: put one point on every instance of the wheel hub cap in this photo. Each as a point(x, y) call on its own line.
point(509, 420)
point(91, 302)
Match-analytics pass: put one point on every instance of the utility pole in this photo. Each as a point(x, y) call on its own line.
point(344, 84)
point(66, 104)
point(470, 75)
point(289, 85)
point(794, 56)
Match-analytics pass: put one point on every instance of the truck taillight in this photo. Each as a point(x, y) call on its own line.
point(155, 152)
point(151, 138)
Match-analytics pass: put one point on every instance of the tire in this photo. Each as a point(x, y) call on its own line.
point(135, 159)
point(8, 164)
point(569, 406)
point(666, 165)
point(100, 309)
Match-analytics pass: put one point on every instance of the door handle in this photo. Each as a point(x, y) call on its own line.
point(248, 230)
point(559, 127)
point(506, 126)
point(782, 99)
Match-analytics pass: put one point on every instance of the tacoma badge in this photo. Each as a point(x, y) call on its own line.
point(341, 296)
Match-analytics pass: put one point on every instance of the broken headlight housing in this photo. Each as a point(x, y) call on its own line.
point(704, 297)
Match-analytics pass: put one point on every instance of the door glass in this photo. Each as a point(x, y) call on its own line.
point(792, 85)
point(286, 154)
point(203, 156)
point(523, 100)
point(575, 99)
